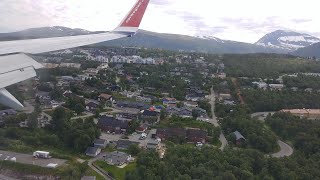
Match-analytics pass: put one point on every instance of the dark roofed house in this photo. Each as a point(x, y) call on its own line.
point(142, 128)
point(109, 124)
point(239, 137)
point(196, 135)
point(127, 116)
point(93, 151)
point(125, 104)
point(125, 144)
point(167, 133)
point(102, 143)
point(150, 116)
point(92, 106)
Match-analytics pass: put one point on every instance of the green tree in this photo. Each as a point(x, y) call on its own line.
point(79, 108)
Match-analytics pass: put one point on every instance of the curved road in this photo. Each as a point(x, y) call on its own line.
point(286, 150)
point(214, 121)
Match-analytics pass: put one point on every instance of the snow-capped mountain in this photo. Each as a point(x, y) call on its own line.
point(206, 37)
point(287, 40)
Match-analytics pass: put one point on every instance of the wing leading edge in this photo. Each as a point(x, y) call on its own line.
point(16, 66)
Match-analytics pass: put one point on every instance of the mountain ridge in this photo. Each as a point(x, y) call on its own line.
point(147, 39)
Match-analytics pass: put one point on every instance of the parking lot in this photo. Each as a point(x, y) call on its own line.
point(29, 159)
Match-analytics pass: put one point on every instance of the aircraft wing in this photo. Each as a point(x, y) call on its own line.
point(16, 66)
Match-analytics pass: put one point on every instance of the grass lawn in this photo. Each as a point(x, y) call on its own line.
point(117, 173)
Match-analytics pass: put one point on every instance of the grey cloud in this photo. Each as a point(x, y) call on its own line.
point(301, 20)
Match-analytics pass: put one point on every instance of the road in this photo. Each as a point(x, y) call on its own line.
point(3, 177)
point(214, 121)
point(286, 150)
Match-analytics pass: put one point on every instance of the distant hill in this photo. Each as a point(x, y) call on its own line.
point(310, 51)
point(45, 32)
point(151, 40)
point(287, 40)
point(188, 43)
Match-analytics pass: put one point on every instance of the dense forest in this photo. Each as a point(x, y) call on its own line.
point(264, 100)
point(304, 134)
point(302, 81)
point(185, 162)
point(267, 65)
point(258, 136)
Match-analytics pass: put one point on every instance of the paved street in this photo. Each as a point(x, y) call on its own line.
point(286, 150)
point(214, 121)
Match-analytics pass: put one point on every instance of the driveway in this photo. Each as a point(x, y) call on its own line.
point(286, 150)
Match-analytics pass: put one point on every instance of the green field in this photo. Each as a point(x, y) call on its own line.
point(117, 173)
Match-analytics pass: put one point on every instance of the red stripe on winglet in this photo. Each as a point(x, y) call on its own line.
point(136, 14)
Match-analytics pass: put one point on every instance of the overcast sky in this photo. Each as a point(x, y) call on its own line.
point(239, 20)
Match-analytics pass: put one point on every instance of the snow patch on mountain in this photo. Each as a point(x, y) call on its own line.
point(287, 40)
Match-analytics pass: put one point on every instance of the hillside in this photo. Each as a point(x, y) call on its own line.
point(188, 43)
point(310, 51)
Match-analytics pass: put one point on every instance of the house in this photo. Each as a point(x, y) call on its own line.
point(67, 93)
point(260, 85)
point(153, 144)
point(142, 128)
point(190, 104)
point(127, 116)
point(169, 101)
point(92, 106)
point(196, 135)
point(276, 87)
point(144, 99)
point(181, 112)
point(136, 105)
point(93, 151)
point(112, 125)
point(105, 97)
point(225, 96)
point(114, 88)
point(101, 143)
point(168, 133)
point(8, 112)
point(125, 144)
point(150, 116)
point(239, 137)
point(117, 158)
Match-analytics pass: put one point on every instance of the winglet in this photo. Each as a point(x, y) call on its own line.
point(130, 24)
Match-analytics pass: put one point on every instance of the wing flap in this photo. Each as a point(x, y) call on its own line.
point(9, 100)
point(16, 76)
